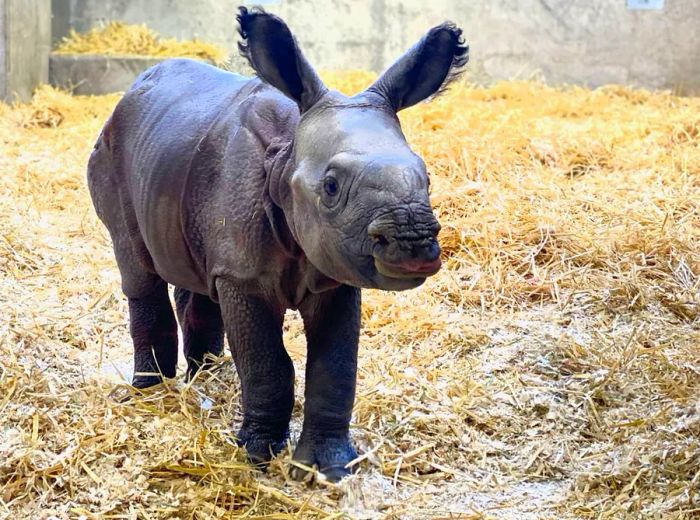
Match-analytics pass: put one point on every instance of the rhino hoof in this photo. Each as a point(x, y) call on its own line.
point(143, 381)
point(261, 448)
point(330, 456)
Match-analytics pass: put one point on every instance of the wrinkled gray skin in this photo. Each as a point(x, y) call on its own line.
point(253, 196)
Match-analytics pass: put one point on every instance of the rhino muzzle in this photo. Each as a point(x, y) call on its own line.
point(405, 253)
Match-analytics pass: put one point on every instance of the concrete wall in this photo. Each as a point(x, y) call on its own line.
point(590, 42)
point(25, 41)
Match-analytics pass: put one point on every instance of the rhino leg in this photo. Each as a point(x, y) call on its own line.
point(332, 325)
point(154, 333)
point(151, 319)
point(202, 328)
point(254, 331)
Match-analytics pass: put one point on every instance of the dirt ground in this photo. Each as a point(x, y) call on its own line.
point(551, 370)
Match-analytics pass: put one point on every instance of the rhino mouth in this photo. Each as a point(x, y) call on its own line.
point(410, 270)
point(377, 274)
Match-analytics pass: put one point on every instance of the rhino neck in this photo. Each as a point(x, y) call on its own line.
point(277, 201)
point(279, 167)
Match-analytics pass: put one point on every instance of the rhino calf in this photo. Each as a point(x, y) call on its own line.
point(256, 195)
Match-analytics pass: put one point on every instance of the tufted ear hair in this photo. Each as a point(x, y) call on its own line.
point(274, 54)
point(426, 69)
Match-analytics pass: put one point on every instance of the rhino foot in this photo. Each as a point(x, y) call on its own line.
point(146, 381)
point(330, 455)
point(261, 446)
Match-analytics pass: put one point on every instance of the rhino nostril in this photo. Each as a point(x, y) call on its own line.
point(379, 239)
point(428, 250)
point(433, 250)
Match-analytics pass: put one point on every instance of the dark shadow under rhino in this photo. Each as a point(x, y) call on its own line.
point(255, 195)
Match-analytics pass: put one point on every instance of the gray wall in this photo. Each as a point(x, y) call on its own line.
point(589, 42)
point(25, 43)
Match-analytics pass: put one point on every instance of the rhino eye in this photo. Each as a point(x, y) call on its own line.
point(330, 185)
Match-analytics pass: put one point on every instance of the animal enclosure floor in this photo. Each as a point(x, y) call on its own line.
point(550, 370)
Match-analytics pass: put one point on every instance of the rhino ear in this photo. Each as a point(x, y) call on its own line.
point(272, 51)
point(426, 69)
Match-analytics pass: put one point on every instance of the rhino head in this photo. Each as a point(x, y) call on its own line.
point(354, 194)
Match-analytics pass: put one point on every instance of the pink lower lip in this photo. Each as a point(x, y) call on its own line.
point(415, 267)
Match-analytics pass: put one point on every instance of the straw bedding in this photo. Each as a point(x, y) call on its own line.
point(550, 370)
point(121, 39)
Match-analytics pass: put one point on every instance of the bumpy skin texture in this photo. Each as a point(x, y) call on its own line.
point(252, 199)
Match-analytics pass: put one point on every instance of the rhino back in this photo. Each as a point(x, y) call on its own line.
point(186, 147)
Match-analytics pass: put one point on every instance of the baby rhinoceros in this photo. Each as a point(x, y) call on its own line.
point(256, 195)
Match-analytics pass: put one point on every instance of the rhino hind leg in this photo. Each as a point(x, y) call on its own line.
point(151, 319)
point(202, 328)
point(154, 333)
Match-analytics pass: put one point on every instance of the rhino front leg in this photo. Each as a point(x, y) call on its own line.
point(332, 322)
point(254, 331)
